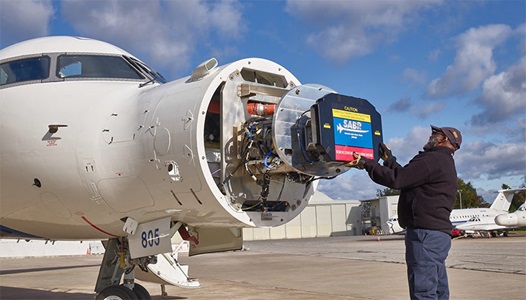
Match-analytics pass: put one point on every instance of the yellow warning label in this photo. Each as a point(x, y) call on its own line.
point(338, 113)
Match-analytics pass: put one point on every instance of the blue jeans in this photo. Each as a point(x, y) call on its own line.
point(425, 254)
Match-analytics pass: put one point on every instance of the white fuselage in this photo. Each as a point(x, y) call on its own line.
point(475, 219)
point(480, 219)
point(79, 156)
point(91, 138)
point(514, 219)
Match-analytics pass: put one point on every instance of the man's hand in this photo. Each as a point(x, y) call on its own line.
point(387, 156)
point(385, 152)
point(358, 161)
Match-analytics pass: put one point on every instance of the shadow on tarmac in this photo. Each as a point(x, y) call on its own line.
point(17, 271)
point(13, 293)
point(7, 292)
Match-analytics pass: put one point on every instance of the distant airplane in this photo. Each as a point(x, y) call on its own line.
point(514, 219)
point(471, 220)
point(95, 144)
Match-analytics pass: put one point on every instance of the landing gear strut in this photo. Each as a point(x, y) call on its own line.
point(115, 264)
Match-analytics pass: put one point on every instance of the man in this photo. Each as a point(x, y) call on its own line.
point(428, 185)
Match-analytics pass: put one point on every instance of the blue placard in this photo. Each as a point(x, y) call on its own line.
point(353, 133)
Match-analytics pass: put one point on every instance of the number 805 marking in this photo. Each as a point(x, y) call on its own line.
point(150, 238)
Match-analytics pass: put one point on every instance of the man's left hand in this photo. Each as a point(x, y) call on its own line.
point(385, 151)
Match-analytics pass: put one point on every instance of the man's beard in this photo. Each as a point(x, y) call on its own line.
point(430, 143)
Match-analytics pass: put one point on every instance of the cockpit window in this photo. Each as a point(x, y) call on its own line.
point(95, 66)
point(28, 69)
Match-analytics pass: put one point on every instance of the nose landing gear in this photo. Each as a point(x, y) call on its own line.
point(115, 264)
point(121, 292)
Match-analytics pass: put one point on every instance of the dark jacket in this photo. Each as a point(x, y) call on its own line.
point(428, 185)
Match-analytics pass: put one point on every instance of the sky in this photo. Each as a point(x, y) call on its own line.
point(459, 63)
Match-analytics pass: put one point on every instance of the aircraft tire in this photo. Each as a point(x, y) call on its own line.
point(117, 292)
point(141, 292)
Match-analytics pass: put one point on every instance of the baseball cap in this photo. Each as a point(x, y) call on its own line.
point(452, 134)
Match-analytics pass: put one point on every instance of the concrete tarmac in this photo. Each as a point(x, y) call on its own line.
point(322, 268)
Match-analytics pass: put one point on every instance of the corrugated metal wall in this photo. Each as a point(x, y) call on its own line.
point(328, 218)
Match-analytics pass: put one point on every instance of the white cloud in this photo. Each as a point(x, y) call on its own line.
point(422, 112)
point(353, 185)
point(225, 17)
point(414, 76)
point(503, 96)
point(166, 31)
point(475, 162)
point(402, 105)
point(346, 29)
point(521, 33)
point(434, 55)
point(483, 160)
point(24, 19)
point(405, 148)
point(473, 61)
point(520, 130)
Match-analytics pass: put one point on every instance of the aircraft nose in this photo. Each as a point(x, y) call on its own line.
point(506, 220)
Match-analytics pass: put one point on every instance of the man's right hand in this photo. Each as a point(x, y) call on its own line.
point(358, 162)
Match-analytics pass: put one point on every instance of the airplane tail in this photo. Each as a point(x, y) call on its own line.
point(503, 200)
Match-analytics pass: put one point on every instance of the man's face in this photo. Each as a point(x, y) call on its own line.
point(435, 137)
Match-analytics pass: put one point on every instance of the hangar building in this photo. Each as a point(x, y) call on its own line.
point(323, 217)
point(376, 212)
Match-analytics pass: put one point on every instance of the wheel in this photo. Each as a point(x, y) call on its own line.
point(141, 292)
point(116, 292)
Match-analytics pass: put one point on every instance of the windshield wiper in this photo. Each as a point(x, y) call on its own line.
point(147, 82)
